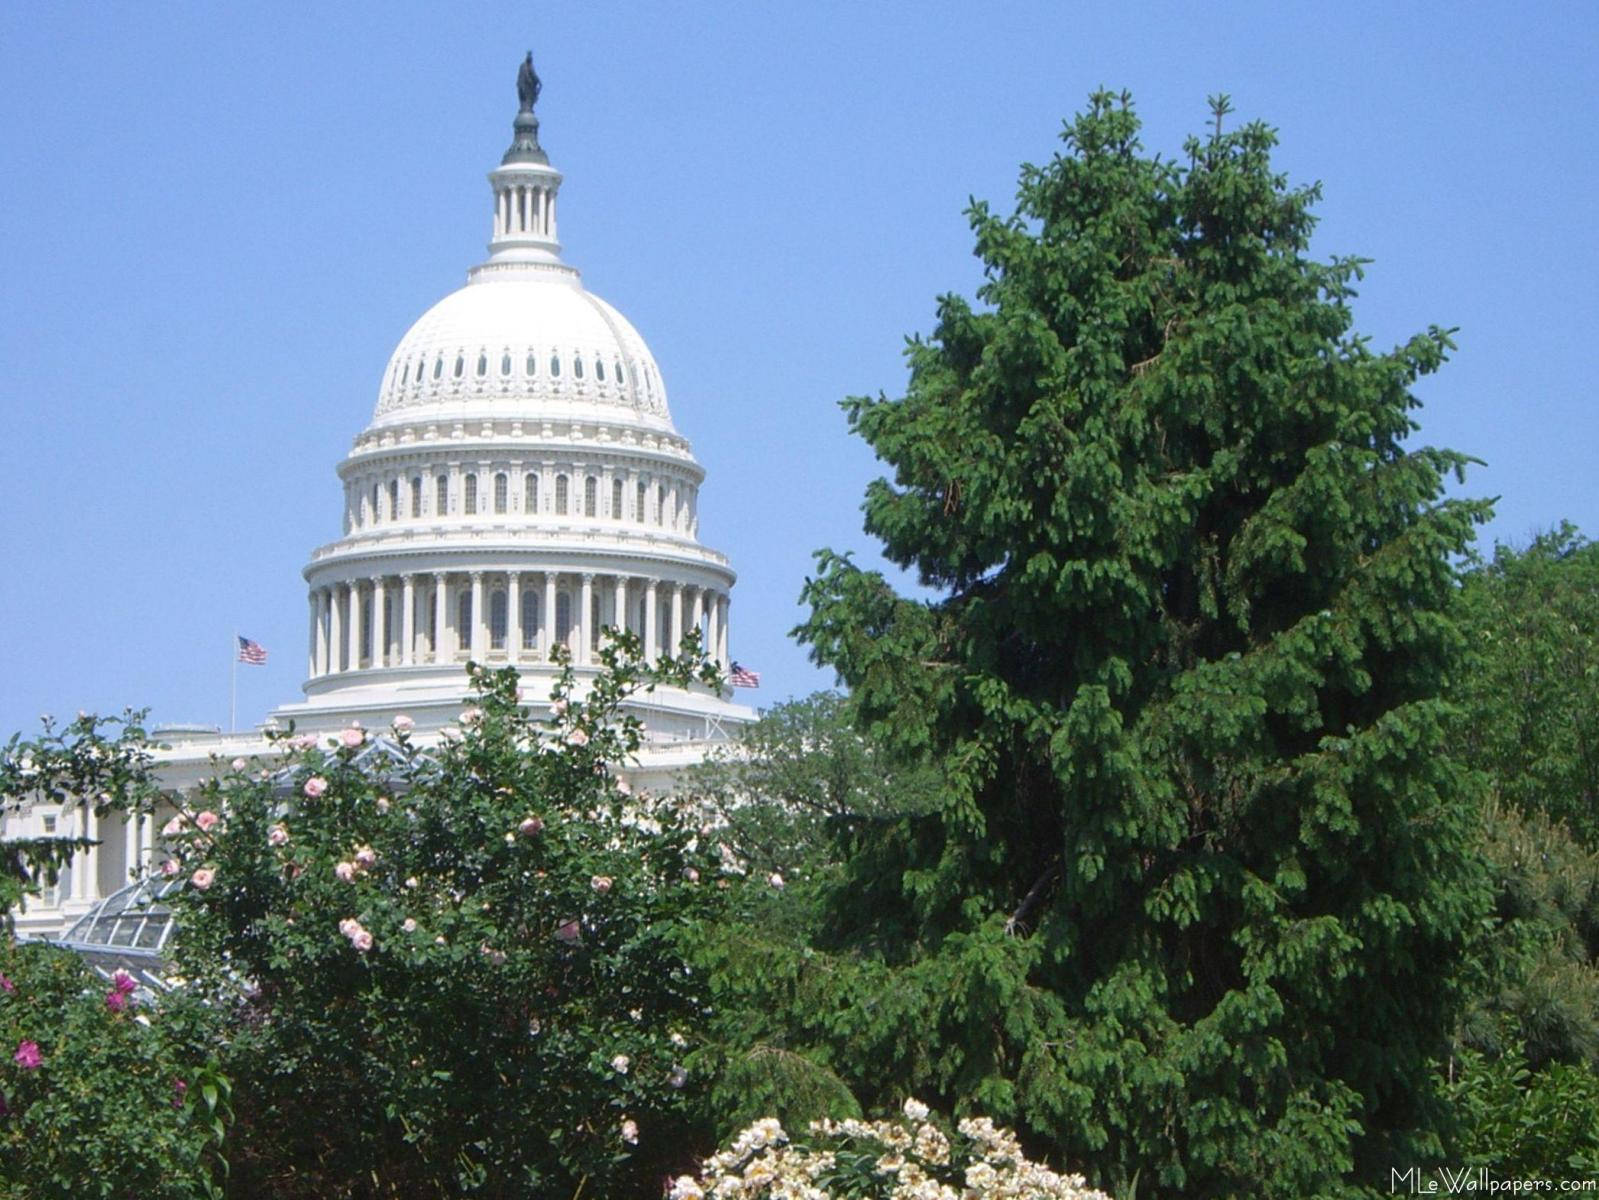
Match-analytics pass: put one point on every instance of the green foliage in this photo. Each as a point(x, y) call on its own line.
point(1524, 1124)
point(1191, 897)
point(1530, 700)
point(125, 1100)
point(470, 957)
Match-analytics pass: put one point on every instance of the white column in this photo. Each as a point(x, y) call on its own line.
point(130, 845)
point(476, 635)
point(696, 615)
point(721, 630)
point(335, 631)
point(439, 612)
point(380, 621)
point(407, 620)
point(675, 632)
point(513, 616)
point(621, 603)
point(547, 641)
point(585, 623)
point(310, 649)
point(710, 626)
point(652, 624)
point(355, 625)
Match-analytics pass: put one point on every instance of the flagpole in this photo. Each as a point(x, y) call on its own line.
point(233, 686)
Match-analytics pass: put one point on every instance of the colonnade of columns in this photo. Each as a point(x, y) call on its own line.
point(524, 209)
point(86, 878)
point(502, 616)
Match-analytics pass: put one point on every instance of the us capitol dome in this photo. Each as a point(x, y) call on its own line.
point(520, 487)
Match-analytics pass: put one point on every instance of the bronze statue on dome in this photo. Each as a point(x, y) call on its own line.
point(528, 85)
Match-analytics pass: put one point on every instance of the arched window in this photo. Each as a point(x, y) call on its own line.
point(416, 497)
point(376, 516)
point(599, 369)
point(463, 621)
point(441, 502)
point(577, 366)
point(394, 499)
point(497, 621)
point(591, 494)
point(660, 505)
point(532, 366)
point(460, 365)
point(616, 499)
point(405, 375)
point(530, 493)
point(555, 364)
point(560, 495)
point(638, 512)
point(421, 366)
point(482, 365)
point(438, 366)
point(505, 365)
point(502, 492)
point(530, 619)
point(469, 500)
point(619, 372)
point(563, 617)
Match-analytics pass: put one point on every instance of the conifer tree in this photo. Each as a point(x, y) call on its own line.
point(1198, 870)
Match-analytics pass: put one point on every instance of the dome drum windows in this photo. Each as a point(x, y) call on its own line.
point(416, 498)
point(498, 620)
point(441, 506)
point(591, 490)
point(482, 364)
point(502, 492)
point(469, 495)
point(560, 495)
point(530, 494)
point(616, 499)
point(505, 364)
point(530, 620)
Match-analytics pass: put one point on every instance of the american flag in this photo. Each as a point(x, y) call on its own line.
point(253, 653)
point(744, 677)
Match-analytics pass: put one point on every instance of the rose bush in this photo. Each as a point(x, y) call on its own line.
point(468, 953)
point(910, 1158)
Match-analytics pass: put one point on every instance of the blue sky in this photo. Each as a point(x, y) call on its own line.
point(217, 221)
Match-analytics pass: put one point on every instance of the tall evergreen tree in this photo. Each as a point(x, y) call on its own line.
point(1198, 869)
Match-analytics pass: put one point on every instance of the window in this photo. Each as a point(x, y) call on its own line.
point(577, 367)
point(497, 621)
point(599, 369)
point(530, 493)
point(560, 495)
point(416, 497)
point(505, 365)
point(394, 499)
point(555, 364)
point(463, 620)
point(532, 364)
point(438, 366)
point(421, 366)
point(638, 512)
point(374, 510)
point(660, 505)
point(405, 375)
point(502, 492)
point(530, 619)
point(482, 365)
point(618, 371)
point(460, 365)
point(441, 504)
point(591, 489)
point(365, 650)
point(616, 499)
point(469, 502)
point(594, 622)
point(563, 617)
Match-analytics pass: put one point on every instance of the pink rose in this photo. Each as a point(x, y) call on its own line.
point(382, 804)
point(361, 940)
point(471, 715)
point(169, 868)
point(577, 738)
point(316, 786)
point(620, 1064)
point(690, 874)
point(238, 764)
point(624, 787)
point(365, 856)
point(775, 879)
point(303, 741)
point(207, 821)
point(351, 738)
point(173, 827)
point(600, 883)
point(6, 985)
point(403, 723)
point(345, 871)
point(123, 982)
point(116, 1001)
point(531, 826)
point(408, 925)
point(349, 926)
point(203, 878)
point(569, 933)
point(558, 708)
point(278, 835)
point(27, 1056)
point(630, 1131)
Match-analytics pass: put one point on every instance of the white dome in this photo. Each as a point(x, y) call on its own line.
point(523, 343)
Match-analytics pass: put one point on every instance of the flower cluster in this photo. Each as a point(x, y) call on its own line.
point(907, 1159)
point(120, 996)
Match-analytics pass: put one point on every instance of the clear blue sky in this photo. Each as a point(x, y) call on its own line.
point(217, 220)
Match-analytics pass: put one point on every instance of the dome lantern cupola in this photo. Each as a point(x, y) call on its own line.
point(524, 191)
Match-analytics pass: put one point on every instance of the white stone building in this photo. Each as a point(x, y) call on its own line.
point(519, 487)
